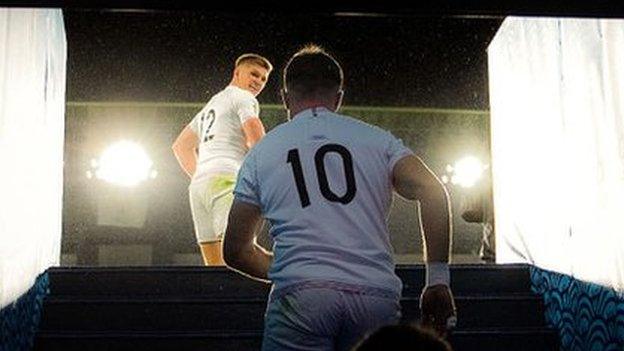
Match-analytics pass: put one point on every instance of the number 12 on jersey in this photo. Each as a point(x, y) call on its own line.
point(206, 121)
point(321, 174)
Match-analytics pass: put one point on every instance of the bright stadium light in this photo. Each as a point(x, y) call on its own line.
point(465, 173)
point(124, 163)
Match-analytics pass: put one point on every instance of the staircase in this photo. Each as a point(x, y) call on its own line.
point(196, 308)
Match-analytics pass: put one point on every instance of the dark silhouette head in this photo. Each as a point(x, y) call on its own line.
point(312, 77)
point(403, 338)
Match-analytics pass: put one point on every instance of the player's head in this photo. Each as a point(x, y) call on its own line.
point(312, 76)
point(403, 337)
point(251, 72)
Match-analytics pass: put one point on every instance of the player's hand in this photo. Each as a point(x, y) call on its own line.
point(437, 307)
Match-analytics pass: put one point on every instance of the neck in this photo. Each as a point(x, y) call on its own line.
point(304, 105)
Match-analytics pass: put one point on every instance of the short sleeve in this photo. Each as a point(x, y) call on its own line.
point(246, 189)
point(194, 124)
point(396, 150)
point(246, 107)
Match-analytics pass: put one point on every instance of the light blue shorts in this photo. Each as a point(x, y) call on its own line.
point(325, 318)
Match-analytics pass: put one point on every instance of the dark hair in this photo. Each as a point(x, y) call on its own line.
point(403, 338)
point(312, 72)
point(254, 59)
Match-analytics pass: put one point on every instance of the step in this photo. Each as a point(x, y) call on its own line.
point(472, 279)
point(247, 314)
point(534, 339)
point(221, 282)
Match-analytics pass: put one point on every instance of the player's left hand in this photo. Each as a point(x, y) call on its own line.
point(437, 307)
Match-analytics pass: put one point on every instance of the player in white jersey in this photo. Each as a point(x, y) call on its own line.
point(211, 148)
point(324, 181)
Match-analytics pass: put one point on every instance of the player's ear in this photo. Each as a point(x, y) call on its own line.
point(338, 101)
point(284, 95)
point(285, 101)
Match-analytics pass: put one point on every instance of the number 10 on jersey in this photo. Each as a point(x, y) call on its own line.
point(321, 174)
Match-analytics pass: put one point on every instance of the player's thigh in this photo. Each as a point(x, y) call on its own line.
point(202, 216)
point(303, 320)
point(220, 197)
point(365, 314)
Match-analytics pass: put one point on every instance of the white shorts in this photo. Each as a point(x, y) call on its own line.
point(211, 199)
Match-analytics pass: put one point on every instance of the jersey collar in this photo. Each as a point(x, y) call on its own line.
point(312, 112)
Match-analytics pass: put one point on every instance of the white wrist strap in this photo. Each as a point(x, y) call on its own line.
point(437, 273)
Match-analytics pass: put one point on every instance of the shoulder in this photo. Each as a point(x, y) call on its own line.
point(205, 108)
point(274, 135)
point(362, 128)
point(275, 138)
point(239, 94)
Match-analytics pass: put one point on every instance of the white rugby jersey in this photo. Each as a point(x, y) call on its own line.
point(219, 127)
point(324, 182)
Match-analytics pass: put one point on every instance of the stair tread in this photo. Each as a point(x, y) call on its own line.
point(64, 299)
point(103, 308)
point(230, 333)
point(201, 269)
point(466, 280)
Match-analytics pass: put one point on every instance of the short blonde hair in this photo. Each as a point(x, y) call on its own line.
point(310, 48)
point(254, 59)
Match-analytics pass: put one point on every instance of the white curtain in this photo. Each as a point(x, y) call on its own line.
point(557, 109)
point(32, 107)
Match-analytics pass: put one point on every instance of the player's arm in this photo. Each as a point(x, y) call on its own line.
point(240, 250)
point(253, 130)
point(185, 150)
point(413, 180)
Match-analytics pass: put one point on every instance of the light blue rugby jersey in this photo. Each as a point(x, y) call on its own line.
point(324, 182)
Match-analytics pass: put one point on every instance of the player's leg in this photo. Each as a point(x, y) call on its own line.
point(218, 199)
point(212, 253)
point(365, 313)
point(487, 251)
point(209, 243)
point(301, 320)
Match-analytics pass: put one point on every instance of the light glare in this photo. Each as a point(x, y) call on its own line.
point(467, 171)
point(124, 163)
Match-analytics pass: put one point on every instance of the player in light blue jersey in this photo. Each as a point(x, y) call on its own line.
point(324, 181)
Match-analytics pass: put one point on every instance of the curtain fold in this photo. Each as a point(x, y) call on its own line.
point(557, 109)
point(32, 107)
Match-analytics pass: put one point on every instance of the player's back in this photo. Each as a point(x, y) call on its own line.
point(324, 181)
point(219, 128)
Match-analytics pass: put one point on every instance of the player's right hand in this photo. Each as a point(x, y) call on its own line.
point(437, 307)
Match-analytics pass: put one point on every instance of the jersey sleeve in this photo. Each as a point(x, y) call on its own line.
point(195, 123)
point(395, 151)
point(246, 189)
point(246, 106)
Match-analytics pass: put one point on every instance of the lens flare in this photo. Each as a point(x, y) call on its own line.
point(124, 163)
point(467, 171)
